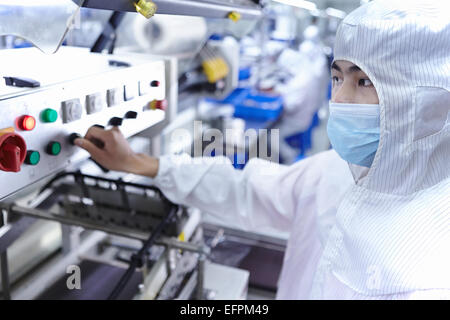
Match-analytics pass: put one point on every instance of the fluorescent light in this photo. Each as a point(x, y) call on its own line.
point(308, 5)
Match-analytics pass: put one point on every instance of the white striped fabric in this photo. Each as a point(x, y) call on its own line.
point(392, 231)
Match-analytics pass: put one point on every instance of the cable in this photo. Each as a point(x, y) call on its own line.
point(137, 259)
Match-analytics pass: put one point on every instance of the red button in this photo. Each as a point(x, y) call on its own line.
point(27, 123)
point(13, 151)
point(155, 83)
point(161, 104)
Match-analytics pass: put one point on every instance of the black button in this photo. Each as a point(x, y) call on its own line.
point(74, 136)
point(116, 121)
point(131, 115)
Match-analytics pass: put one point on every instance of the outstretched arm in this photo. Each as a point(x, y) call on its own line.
point(259, 196)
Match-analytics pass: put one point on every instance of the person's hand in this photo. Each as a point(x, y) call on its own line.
point(110, 149)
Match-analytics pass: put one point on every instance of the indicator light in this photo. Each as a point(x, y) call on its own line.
point(27, 123)
point(49, 115)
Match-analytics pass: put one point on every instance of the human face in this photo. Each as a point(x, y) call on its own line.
point(351, 85)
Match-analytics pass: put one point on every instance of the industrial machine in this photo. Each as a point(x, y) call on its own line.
point(49, 100)
point(69, 228)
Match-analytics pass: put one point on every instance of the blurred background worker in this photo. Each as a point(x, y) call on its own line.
point(304, 93)
point(368, 219)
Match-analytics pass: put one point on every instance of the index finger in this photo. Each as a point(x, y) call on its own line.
point(96, 132)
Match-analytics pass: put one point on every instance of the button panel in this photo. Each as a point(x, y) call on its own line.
point(71, 106)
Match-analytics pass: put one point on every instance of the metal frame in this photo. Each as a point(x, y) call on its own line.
point(202, 8)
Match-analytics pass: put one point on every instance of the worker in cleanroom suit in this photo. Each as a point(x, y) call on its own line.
point(377, 228)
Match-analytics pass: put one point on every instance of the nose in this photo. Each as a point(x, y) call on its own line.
point(344, 94)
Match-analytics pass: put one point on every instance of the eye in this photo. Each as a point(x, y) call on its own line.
point(365, 83)
point(335, 80)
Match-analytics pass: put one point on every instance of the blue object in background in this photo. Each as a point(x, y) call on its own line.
point(259, 107)
point(245, 73)
point(303, 140)
point(300, 157)
point(23, 45)
point(330, 86)
point(254, 107)
point(215, 36)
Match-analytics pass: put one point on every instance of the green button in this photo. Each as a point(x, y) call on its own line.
point(33, 158)
point(49, 115)
point(54, 148)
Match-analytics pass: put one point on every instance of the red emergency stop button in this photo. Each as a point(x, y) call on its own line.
point(27, 123)
point(13, 151)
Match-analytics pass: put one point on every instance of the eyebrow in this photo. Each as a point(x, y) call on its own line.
point(351, 69)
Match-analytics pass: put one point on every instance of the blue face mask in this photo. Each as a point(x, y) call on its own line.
point(354, 131)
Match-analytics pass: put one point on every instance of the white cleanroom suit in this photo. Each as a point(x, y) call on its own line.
point(377, 234)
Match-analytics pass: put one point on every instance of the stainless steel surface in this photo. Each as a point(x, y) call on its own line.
point(189, 288)
point(12, 231)
point(36, 244)
point(181, 245)
point(134, 234)
point(6, 294)
point(271, 242)
point(71, 74)
point(47, 274)
point(186, 264)
point(203, 8)
point(201, 277)
point(225, 283)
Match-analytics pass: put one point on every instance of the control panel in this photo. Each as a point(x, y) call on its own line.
point(36, 124)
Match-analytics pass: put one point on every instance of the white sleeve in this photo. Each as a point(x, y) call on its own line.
point(262, 195)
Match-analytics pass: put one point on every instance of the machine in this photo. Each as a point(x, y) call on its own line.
point(61, 210)
point(69, 228)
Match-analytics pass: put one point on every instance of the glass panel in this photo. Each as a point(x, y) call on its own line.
point(44, 23)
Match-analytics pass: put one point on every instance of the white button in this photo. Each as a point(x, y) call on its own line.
point(71, 110)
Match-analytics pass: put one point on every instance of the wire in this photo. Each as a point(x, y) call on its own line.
point(137, 259)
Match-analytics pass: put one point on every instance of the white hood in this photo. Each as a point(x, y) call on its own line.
point(404, 48)
point(392, 231)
